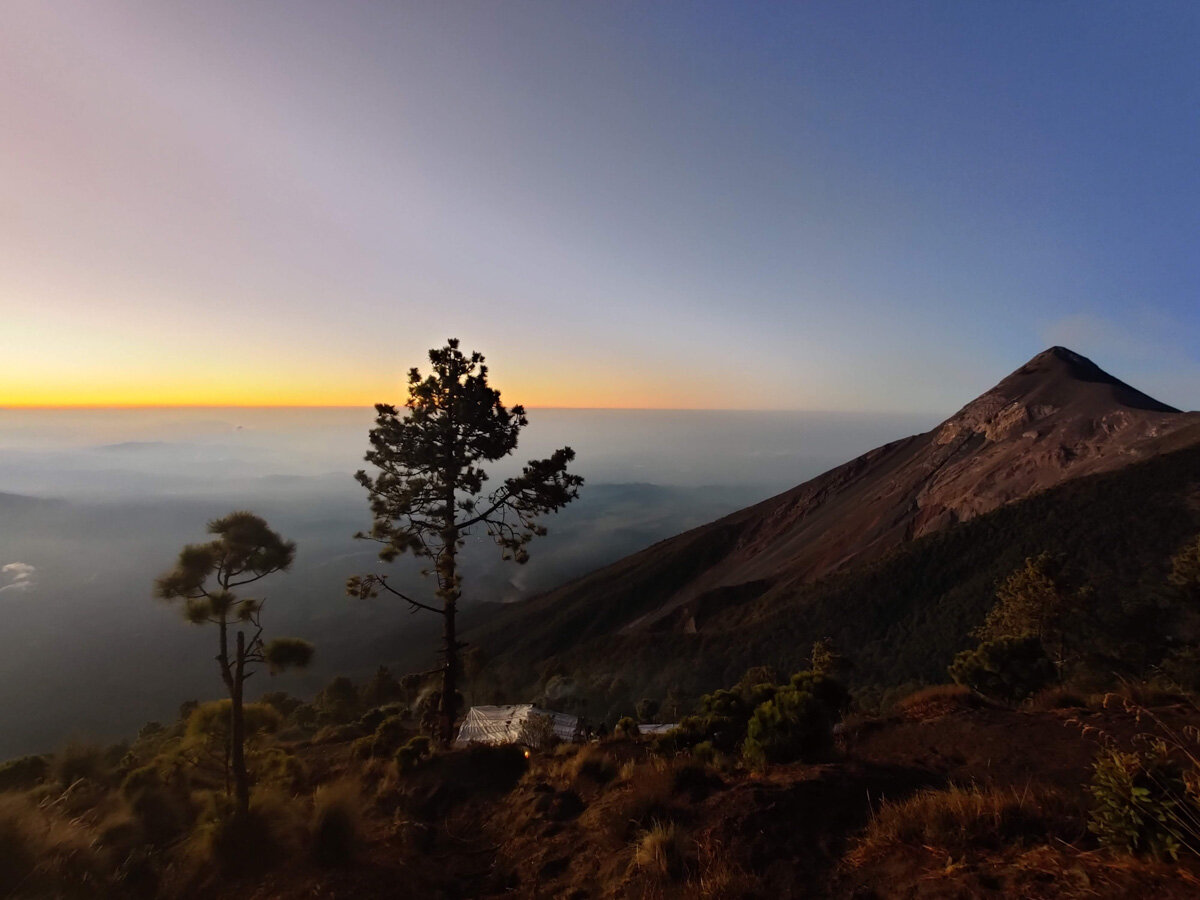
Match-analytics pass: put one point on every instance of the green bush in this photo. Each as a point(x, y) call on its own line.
point(413, 753)
point(1009, 669)
point(793, 725)
point(721, 720)
point(828, 691)
point(1142, 803)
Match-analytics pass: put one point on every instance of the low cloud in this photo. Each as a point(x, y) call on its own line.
point(16, 577)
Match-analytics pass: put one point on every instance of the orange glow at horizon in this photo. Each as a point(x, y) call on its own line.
point(593, 394)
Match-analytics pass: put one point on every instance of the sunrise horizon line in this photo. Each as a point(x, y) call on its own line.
point(61, 407)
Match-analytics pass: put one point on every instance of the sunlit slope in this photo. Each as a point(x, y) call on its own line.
point(1054, 421)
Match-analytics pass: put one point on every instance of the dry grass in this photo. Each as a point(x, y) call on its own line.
point(591, 764)
point(718, 876)
point(660, 851)
point(565, 749)
point(936, 700)
point(1138, 694)
point(646, 795)
point(1057, 697)
point(336, 825)
point(960, 819)
point(46, 854)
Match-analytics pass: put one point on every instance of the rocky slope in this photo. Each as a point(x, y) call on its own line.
point(1056, 418)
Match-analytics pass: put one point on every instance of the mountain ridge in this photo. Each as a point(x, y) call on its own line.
point(1056, 418)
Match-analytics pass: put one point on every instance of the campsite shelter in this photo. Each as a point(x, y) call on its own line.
point(502, 724)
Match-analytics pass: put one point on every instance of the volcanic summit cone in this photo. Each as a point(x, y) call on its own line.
point(1056, 418)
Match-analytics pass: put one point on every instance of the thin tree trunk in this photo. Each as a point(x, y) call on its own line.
point(449, 576)
point(238, 730)
point(227, 678)
point(450, 671)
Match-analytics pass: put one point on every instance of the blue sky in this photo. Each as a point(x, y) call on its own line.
point(878, 206)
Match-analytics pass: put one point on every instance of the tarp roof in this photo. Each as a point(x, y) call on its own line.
point(502, 724)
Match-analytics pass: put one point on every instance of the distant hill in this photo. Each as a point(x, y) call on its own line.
point(878, 544)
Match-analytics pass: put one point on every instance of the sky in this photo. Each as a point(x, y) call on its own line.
point(821, 206)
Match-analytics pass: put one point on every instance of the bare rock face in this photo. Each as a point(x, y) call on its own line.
point(1056, 418)
point(1059, 416)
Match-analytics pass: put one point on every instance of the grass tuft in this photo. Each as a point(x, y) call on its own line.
point(337, 823)
point(959, 819)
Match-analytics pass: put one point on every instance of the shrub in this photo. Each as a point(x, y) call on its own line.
point(337, 813)
point(234, 844)
point(79, 761)
point(364, 747)
point(162, 814)
point(338, 702)
point(627, 727)
point(413, 753)
point(337, 734)
point(1142, 803)
point(646, 709)
point(390, 734)
point(827, 691)
point(23, 773)
point(1009, 669)
point(370, 720)
point(792, 726)
point(282, 702)
point(279, 767)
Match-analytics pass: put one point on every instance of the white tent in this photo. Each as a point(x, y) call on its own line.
point(502, 724)
point(648, 728)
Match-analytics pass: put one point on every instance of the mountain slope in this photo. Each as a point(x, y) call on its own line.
point(899, 619)
point(1054, 420)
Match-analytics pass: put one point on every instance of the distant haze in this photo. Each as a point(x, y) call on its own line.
point(95, 503)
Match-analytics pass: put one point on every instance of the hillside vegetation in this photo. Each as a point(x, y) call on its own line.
point(902, 619)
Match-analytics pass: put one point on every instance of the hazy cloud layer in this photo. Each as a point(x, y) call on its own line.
point(17, 578)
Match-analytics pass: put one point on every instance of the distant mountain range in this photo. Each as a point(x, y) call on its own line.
point(1056, 419)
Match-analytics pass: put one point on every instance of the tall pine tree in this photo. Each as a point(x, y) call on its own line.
point(427, 491)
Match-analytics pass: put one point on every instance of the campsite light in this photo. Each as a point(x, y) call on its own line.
point(527, 753)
